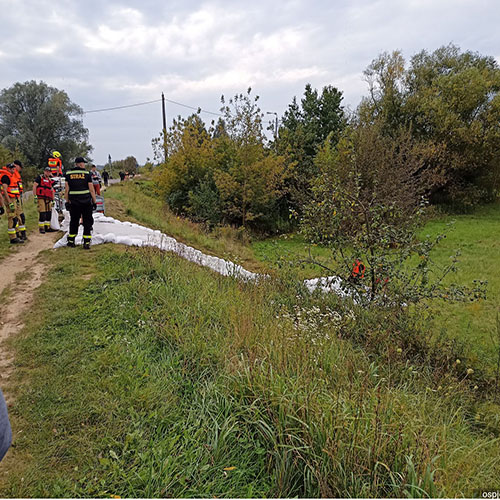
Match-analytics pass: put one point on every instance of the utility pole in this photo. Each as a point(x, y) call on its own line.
point(275, 127)
point(164, 125)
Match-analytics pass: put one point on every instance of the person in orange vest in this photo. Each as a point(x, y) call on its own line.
point(43, 193)
point(55, 164)
point(21, 223)
point(358, 270)
point(11, 200)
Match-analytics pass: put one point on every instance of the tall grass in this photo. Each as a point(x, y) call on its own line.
point(160, 378)
point(471, 325)
point(136, 201)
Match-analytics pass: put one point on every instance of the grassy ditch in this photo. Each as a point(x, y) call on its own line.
point(160, 378)
point(134, 200)
point(473, 325)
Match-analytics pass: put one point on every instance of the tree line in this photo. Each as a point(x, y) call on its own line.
point(428, 129)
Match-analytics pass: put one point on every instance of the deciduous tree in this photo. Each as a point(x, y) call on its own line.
point(36, 119)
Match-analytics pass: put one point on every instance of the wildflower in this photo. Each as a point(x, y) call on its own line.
point(229, 468)
point(399, 350)
point(476, 387)
point(470, 371)
point(457, 361)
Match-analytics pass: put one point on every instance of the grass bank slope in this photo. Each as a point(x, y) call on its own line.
point(158, 378)
point(476, 235)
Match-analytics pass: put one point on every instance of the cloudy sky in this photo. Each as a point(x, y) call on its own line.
point(114, 53)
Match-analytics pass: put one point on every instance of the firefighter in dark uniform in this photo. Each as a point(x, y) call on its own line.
point(80, 202)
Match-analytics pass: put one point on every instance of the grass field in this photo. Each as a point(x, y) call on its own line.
point(476, 236)
point(160, 378)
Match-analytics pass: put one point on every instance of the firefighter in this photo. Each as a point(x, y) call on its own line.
point(43, 193)
point(55, 164)
point(80, 202)
point(21, 223)
point(11, 200)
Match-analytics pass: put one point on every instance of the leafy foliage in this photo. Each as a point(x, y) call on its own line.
point(451, 101)
point(36, 119)
point(224, 174)
point(304, 129)
point(367, 206)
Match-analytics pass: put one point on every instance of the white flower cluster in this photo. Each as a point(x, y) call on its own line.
point(313, 322)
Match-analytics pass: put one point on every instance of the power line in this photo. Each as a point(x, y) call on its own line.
point(121, 107)
point(151, 102)
point(191, 107)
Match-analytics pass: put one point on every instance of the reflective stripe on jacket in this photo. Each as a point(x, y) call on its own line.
point(17, 177)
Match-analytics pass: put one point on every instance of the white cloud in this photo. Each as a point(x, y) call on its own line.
point(106, 54)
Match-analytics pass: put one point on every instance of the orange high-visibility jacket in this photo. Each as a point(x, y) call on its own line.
point(17, 178)
point(55, 165)
point(13, 187)
point(358, 269)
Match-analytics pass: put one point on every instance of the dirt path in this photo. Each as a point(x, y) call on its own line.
point(20, 262)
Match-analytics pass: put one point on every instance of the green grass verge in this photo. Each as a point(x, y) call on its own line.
point(477, 237)
point(134, 200)
point(160, 378)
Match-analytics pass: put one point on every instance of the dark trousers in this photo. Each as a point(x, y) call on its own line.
point(81, 209)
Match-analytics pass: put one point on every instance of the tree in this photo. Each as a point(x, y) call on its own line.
point(129, 165)
point(448, 99)
point(304, 128)
point(36, 119)
point(224, 174)
point(249, 177)
point(367, 207)
point(190, 162)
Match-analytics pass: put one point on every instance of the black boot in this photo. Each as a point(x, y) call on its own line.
point(24, 237)
point(86, 245)
point(41, 229)
point(15, 241)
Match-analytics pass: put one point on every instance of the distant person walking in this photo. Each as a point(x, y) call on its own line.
point(80, 202)
point(105, 177)
point(96, 179)
point(122, 175)
point(43, 193)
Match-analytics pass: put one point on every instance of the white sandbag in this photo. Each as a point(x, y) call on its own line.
point(109, 230)
point(54, 220)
